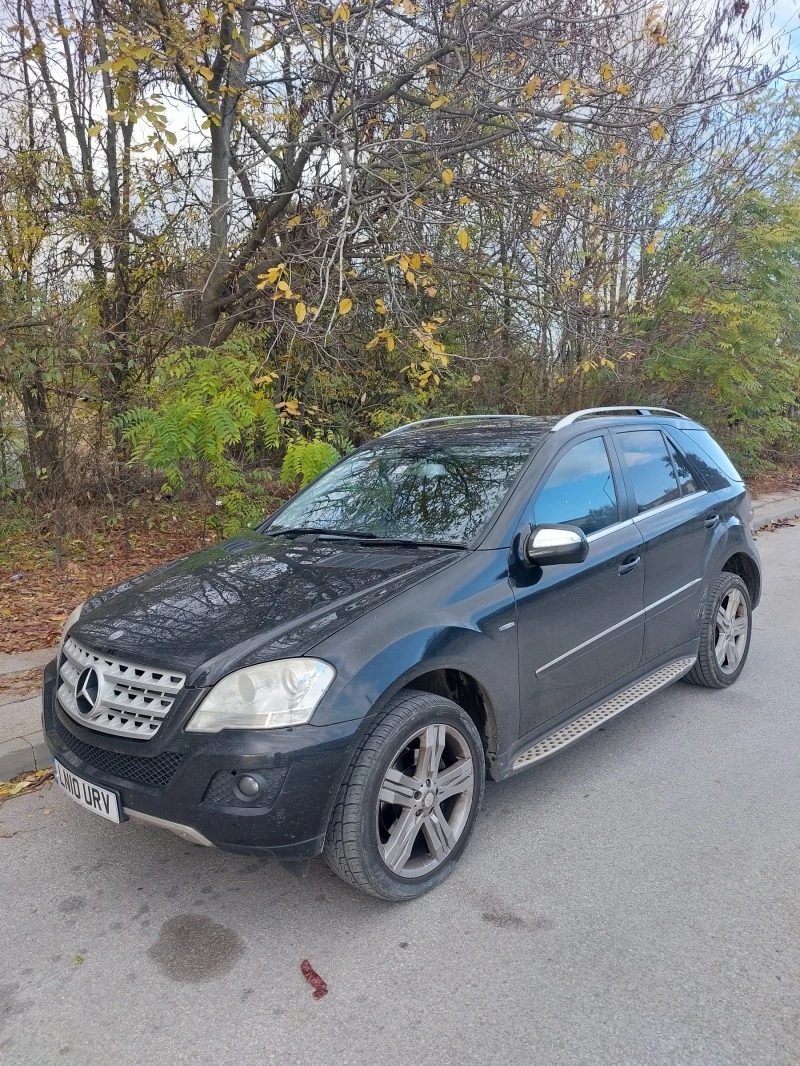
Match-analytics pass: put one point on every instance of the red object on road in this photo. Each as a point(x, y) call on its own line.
point(314, 979)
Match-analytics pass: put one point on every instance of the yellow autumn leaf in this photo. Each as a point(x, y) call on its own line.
point(463, 239)
point(300, 311)
point(373, 343)
point(607, 72)
point(558, 129)
point(465, 200)
point(537, 217)
point(440, 101)
point(532, 87)
point(390, 342)
point(650, 249)
point(447, 174)
point(623, 88)
point(345, 305)
point(431, 291)
point(657, 131)
point(380, 306)
point(271, 276)
point(411, 279)
point(416, 261)
point(294, 221)
point(565, 87)
point(420, 200)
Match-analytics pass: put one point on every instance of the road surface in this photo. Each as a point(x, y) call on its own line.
point(634, 900)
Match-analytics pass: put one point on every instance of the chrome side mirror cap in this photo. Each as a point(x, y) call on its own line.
point(546, 545)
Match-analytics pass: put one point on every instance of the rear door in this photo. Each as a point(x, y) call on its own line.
point(676, 517)
point(580, 624)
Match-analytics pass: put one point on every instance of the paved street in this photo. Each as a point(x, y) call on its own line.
point(632, 901)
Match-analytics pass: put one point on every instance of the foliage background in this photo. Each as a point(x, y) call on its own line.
point(239, 237)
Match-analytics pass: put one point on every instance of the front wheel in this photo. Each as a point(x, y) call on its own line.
point(408, 802)
point(724, 634)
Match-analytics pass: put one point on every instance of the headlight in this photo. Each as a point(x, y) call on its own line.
point(266, 696)
point(70, 622)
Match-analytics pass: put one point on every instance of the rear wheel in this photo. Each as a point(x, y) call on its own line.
point(408, 802)
point(724, 634)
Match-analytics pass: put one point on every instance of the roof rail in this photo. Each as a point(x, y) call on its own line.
point(447, 418)
point(588, 412)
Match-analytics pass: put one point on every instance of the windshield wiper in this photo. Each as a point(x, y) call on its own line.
point(317, 531)
point(413, 542)
point(356, 534)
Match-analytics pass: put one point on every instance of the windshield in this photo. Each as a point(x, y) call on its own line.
point(416, 490)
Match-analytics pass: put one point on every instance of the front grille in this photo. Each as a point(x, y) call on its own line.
point(118, 697)
point(157, 772)
point(221, 791)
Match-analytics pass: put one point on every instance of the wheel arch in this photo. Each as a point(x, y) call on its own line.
point(741, 564)
point(463, 688)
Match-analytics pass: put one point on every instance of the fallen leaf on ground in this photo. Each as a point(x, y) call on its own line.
point(314, 979)
point(30, 782)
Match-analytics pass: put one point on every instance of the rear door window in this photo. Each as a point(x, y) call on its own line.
point(579, 490)
point(650, 467)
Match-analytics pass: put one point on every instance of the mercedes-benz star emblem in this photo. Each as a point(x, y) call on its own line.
point(87, 691)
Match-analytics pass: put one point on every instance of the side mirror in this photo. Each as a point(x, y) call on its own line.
point(546, 545)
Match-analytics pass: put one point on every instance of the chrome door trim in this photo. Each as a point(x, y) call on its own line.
point(609, 529)
point(672, 503)
point(677, 592)
point(591, 640)
point(618, 625)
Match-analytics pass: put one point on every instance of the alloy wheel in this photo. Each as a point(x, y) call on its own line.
point(425, 800)
point(730, 632)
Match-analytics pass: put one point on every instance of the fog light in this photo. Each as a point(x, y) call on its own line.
point(249, 787)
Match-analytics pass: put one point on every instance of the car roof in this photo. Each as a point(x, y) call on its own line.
point(473, 429)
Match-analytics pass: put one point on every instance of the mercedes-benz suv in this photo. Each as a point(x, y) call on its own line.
point(461, 597)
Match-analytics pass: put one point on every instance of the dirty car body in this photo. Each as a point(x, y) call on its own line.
point(452, 599)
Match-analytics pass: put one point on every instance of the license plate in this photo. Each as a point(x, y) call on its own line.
point(94, 798)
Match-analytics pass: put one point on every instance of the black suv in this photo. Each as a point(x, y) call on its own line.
point(460, 597)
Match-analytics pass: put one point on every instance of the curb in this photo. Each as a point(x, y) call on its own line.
point(781, 516)
point(25, 754)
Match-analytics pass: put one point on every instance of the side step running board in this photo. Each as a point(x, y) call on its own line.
point(579, 727)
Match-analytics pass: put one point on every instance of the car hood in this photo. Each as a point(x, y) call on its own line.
point(248, 600)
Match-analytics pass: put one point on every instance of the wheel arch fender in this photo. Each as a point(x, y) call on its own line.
point(442, 660)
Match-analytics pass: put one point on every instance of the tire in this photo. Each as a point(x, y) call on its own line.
point(723, 646)
point(399, 850)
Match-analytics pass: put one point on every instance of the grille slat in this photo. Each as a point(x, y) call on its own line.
point(132, 699)
point(156, 772)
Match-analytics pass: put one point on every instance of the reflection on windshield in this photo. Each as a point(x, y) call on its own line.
point(420, 490)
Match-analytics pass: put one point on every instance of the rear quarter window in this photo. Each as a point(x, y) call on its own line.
point(708, 458)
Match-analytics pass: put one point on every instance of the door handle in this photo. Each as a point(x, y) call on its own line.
point(711, 520)
point(629, 563)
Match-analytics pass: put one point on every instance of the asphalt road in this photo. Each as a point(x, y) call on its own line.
point(632, 901)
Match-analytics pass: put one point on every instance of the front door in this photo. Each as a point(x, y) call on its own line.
point(580, 624)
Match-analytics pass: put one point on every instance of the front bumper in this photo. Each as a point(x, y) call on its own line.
point(181, 778)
